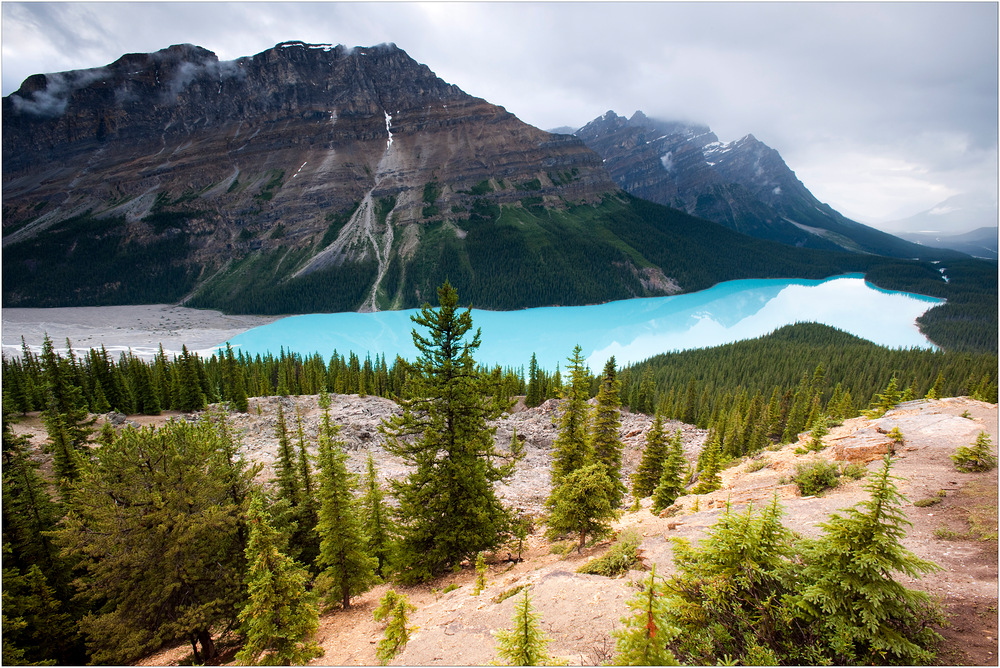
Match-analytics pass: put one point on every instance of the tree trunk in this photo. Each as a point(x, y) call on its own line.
point(345, 597)
point(583, 540)
point(207, 646)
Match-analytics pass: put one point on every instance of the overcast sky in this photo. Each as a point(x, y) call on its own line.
point(883, 110)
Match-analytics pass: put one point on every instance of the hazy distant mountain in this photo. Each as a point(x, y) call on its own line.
point(744, 184)
point(980, 243)
point(955, 215)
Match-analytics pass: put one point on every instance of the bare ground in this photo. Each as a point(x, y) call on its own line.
point(581, 612)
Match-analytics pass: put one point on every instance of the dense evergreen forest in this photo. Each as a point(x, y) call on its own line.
point(78, 544)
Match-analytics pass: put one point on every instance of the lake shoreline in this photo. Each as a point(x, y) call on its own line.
point(139, 328)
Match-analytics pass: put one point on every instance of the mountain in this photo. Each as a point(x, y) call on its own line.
point(312, 178)
point(981, 242)
point(957, 214)
point(744, 185)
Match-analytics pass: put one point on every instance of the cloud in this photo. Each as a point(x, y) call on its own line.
point(52, 100)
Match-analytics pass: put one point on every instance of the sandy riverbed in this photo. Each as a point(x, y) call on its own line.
point(139, 328)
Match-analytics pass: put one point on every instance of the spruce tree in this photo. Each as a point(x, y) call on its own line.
point(178, 581)
point(709, 464)
point(646, 637)
point(189, 394)
point(525, 644)
point(860, 612)
point(581, 504)
point(977, 458)
point(280, 616)
point(606, 442)
point(347, 568)
point(647, 475)
point(448, 509)
point(534, 396)
point(571, 447)
point(376, 520)
point(671, 485)
point(288, 487)
point(396, 608)
point(305, 537)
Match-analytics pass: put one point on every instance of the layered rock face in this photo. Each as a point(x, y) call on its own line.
point(744, 185)
point(302, 148)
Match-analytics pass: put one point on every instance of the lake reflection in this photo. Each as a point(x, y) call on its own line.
point(631, 330)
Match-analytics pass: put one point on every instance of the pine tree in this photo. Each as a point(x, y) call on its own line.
point(606, 442)
point(525, 644)
point(376, 521)
point(581, 504)
point(884, 401)
point(65, 416)
point(571, 447)
point(189, 394)
point(727, 598)
point(534, 396)
point(280, 616)
point(645, 639)
point(709, 463)
point(305, 537)
point(288, 487)
point(448, 509)
point(395, 607)
point(976, 459)
point(180, 580)
point(348, 569)
point(671, 484)
point(861, 613)
point(647, 475)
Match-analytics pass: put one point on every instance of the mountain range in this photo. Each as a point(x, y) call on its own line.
point(744, 184)
point(313, 177)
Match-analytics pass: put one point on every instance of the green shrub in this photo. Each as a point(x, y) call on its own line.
point(758, 464)
point(924, 503)
point(619, 558)
point(452, 587)
point(814, 477)
point(976, 459)
point(854, 470)
point(504, 595)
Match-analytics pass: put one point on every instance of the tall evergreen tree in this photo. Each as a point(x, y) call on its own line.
point(280, 616)
point(285, 469)
point(347, 568)
point(448, 508)
point(572, 448)
point(190, 396)
point(534, 396)
point(647, 475)
point(671, 484)
point(581, 504)
point(605, 439)
point(376, 520)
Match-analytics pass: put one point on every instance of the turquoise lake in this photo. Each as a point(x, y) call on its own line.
point(631, 330)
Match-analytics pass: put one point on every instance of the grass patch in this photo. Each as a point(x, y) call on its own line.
point(619, 558)
point(504, 595)
point(979, 501)
point(930, 501)
point(758, 465)
point(854, 470)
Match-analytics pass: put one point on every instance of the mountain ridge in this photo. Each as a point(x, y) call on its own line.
point(743, 184)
